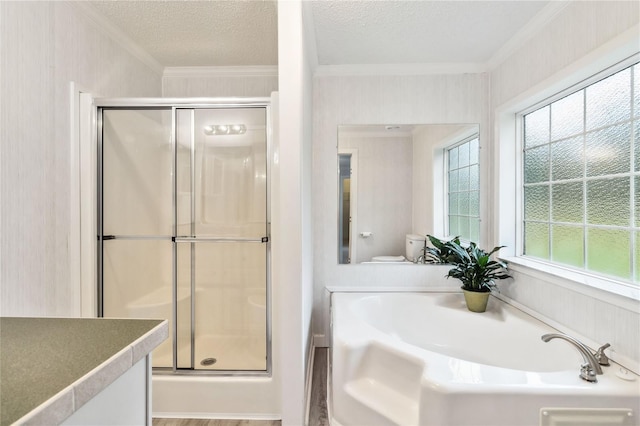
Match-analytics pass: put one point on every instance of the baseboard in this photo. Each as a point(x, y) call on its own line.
point(216, 416)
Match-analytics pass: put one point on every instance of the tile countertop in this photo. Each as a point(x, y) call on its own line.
point(50, 367)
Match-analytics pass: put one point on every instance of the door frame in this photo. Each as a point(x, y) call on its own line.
point(82, 195)
point(353, 201)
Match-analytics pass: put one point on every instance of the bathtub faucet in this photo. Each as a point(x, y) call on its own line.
point(591, 368)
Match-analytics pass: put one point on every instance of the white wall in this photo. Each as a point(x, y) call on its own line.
point(292, 230)
point(220, 82)
point(338, 100)
point(582, 35)
point(45, 46)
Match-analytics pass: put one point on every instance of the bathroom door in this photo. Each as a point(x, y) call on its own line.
point(184, 231)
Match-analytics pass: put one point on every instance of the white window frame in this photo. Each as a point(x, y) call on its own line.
point(614, 56)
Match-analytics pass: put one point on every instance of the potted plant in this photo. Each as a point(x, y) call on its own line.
point(471, 265)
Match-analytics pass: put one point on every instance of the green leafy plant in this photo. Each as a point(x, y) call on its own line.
point(471, 265)
point(440, 252)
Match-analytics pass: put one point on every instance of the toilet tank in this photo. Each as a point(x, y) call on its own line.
point(413, 246)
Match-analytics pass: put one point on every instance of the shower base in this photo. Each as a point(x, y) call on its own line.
point(230, 353)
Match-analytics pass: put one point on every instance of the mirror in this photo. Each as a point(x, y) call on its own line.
point(392, 184)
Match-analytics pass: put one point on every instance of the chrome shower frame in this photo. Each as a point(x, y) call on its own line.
point(175, 104)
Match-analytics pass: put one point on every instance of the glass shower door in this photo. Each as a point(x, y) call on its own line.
point(183, 231)
point(222, 237)
point(137, 224)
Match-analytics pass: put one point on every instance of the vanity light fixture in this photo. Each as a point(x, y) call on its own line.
point(225, 129)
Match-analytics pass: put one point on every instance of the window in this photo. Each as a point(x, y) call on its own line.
point(581, 178)
point(464, 189)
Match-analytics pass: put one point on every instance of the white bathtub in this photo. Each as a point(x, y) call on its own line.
point(422, 358)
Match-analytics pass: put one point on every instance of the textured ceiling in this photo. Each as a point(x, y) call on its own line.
point(409, 32)
point(244, 32)
point(199, 33)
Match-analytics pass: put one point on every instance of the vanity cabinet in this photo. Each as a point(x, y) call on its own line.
point(77, 371)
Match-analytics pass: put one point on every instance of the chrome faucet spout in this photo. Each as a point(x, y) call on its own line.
point(591, 367)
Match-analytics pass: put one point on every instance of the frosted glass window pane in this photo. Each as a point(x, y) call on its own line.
point(567, 116)
point(464, 203)
point(474, 229)
point(637, 145)
point(453, 203)
point(536, 128)
point(567, 202)
point(464, 227)
point(453, 181)
point(536, 240)
point(453, 226)
point(608, 150)
point(637, 201)
point(609, 100)
point(586, 156)
point(536, 202)
point(474, 177)
point(463, 155)
point(608, 201)
point(474, 203)
point(567, 160)
point(608, 252)
point(463, 181)
point(473, 151)
point(636, 90)
point(637, 257)
point(464, 188)
point(453, 158)
point(536, 164)
point(567, 245)
point(137, 179)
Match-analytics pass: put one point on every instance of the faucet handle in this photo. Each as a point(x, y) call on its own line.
point(600, 355)
point(588, 373)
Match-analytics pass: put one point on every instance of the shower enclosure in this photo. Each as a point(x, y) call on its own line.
point(183, 229)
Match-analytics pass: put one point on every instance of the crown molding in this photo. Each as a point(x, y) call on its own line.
point(227, 71)
point(530, 29)
point(400, 69)
point(113, 32)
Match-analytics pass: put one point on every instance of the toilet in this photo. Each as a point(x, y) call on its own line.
point(414, 244)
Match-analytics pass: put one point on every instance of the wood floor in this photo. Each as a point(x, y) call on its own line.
point(318, 415)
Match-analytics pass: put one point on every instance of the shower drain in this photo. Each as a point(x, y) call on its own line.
point(208, 361)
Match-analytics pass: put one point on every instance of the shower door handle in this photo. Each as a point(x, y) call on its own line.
point(219, 240)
